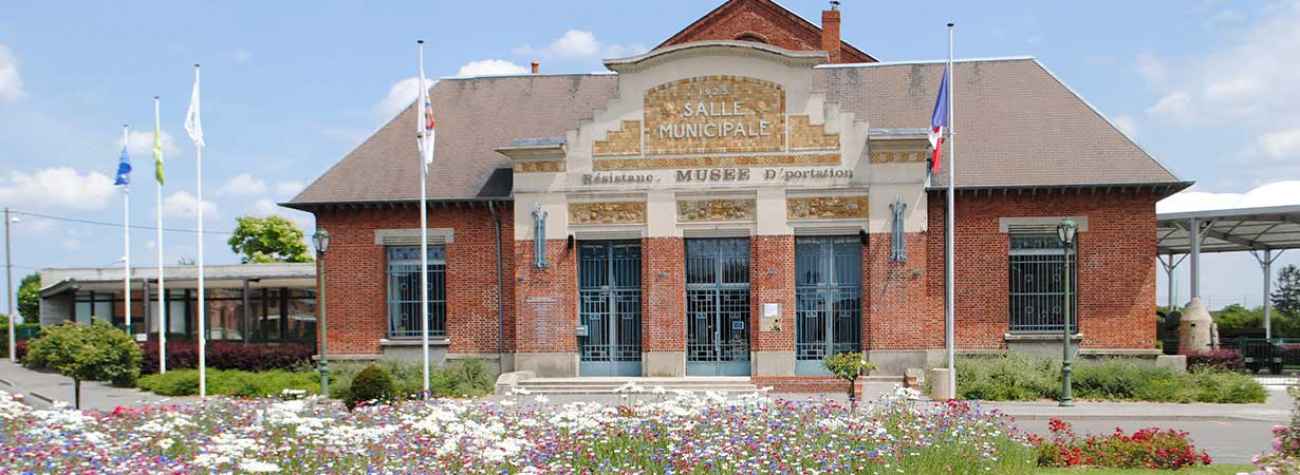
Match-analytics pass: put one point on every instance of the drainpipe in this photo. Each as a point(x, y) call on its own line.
point(501, 298)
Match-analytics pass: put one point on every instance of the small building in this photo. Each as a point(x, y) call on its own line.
point(746, 198)
point(247, 302)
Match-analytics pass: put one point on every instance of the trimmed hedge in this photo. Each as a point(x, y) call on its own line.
point(228, 355)
point(1018, 377)
point(467, 378)
point(371, 385)
point(1221, 359)
point(185, 382)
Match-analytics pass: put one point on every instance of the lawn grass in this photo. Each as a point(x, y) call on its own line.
point(1202, 470)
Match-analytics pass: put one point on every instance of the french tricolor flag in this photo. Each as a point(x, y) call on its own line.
point(939, 124)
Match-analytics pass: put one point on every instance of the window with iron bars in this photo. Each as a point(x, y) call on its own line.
point(1037, 284)
point(404, 291)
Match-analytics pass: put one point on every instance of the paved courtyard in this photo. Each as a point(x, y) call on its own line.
point(41, 389)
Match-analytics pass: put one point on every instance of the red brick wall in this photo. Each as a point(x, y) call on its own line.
point(771, 278)
point(1116, 264)
point(663, 294)
point(900, 314)
point(765, 21)
point(547, 298)
point(357, 281)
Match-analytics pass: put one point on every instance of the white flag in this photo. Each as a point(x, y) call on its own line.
point(194, 124)
point(424, 119)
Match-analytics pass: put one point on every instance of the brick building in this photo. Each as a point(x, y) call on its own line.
point(744, 199)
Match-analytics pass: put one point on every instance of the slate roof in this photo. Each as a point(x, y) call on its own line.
point(1027, 129)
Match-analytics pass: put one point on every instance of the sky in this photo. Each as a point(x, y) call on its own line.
point(289, 88)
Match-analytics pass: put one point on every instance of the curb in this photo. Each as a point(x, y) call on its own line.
point(1148, 417)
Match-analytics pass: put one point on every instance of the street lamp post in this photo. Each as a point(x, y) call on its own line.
point(321, 240)
point(1065, 231)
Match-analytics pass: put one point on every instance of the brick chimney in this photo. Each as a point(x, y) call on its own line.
point(831, 31)
point(537, 67)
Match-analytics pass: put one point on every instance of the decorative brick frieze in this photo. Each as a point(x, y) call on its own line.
point(827, 207)
point(899, 156)
point(539, 166)
point(617, 212)
point(714, 114)
point(715, 210)
point(624, 141)
point(744, 161)
point(806, 136)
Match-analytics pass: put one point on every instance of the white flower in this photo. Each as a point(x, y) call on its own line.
point(258, 466)
point(542, 399)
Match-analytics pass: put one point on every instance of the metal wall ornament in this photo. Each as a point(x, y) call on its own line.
point(539, 236)
point(898, 244)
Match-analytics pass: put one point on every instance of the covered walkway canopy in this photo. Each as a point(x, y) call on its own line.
point(1264, 232)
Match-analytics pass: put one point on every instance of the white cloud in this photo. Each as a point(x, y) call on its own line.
point(243, 184)
point(1280, 144)
point(490, 67)
point(1247, 81)
point(11, 84)
point(140, 144)
point(399, 96)
point(182, 204)
point(289, 188)
point(264, 207)
point(579, 44)
point(1126, 124)
point(58, 187)
point(1281, 193)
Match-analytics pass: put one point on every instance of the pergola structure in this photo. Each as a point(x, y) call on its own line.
point(1264, 232)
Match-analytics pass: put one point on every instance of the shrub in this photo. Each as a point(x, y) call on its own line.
point(185, 382)
point(1285, 456)
point(228, 355)
point(95, 352)
point(371, 384)
point(465, 378)
point(1147, 449)
point(1017, 377)
point(848, 366)
point(1220, 359)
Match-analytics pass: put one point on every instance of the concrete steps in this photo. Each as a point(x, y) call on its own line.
point(601, 385)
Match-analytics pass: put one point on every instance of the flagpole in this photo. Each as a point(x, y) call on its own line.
point(203, 321)
point(162, 284)
point(424, 230)
point(950, 230)
point(126, 240)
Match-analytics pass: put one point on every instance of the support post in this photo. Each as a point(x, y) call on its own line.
point(1266, 265)
point(9, 292)
point(1194, 234)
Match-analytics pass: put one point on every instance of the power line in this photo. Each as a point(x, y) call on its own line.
point(105, 223)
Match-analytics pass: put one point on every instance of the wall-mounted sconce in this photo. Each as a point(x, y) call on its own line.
point(862, 236)
point(569, 243)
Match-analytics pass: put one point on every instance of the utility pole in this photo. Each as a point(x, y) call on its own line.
point(9, 292)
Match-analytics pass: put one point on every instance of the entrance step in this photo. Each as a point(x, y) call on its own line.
point(608, 385)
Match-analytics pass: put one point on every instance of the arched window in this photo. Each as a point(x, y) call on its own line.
point(751, 36)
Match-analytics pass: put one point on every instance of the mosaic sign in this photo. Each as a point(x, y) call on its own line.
point(715, 114)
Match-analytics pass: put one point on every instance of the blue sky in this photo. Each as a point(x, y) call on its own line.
point(290, 87)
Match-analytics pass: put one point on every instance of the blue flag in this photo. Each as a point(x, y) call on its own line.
point(123, 169)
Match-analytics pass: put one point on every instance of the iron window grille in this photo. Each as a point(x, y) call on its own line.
point(404, 291)
point(1037, 290)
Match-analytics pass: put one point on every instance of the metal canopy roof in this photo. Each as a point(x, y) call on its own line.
point(1231, 230)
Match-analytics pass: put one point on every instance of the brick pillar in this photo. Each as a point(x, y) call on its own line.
point(771, 276)
point(904, 322)
point(546, 306)
point(663, 300)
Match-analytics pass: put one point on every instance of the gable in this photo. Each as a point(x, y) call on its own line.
point(763, 21)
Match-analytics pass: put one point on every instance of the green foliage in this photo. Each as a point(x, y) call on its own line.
point(29, 298)
point(269, 239)
point(848, 366)
point(25, 331)
point(1018, 377)
point(1286, 297)
point(466, 378)
point(95, 352)
point(185, 382)
point(371, 384)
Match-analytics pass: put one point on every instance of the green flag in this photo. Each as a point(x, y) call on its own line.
point(157, 145)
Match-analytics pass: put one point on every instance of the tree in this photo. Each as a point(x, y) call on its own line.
point(1286, 298)
point(29, 298)
point(95, 352)
point(269, 239)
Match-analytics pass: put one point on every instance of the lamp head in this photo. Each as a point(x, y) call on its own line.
point(1066, 230)
point(321, 239)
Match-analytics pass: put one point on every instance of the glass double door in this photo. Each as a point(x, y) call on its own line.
point(717, 307)
point(609, 278)
point(828, 294)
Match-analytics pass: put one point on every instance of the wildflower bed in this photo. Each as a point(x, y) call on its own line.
point(681, 433)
